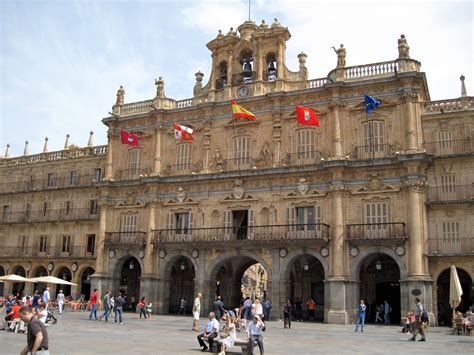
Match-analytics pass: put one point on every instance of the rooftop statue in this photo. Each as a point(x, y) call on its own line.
point(341, 56)
point(120, 96)
point(403, 49)
point(160, 87)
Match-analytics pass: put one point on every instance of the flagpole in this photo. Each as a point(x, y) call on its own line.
point(235, 136)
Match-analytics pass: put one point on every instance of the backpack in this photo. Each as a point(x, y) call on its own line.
point(424, 316)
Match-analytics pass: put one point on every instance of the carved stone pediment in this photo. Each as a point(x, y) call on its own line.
point(375, 183)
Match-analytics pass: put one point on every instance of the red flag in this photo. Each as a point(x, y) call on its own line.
point(182, 132)
point(306, 116)
point(128, 138)
point(239, 112)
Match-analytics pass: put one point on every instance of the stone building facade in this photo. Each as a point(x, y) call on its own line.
point(375, 206)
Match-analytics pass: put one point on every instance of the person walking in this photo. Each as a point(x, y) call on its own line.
point(46, 297)
point(106, 301)
point(361, 308)
point(196, 311)
point(248, 308)
point(418, 325)
point(259, 309)
point(267, 305)
point(142, 305)
point(60, 300)
point(311, 305)
point(386, 312)
point(37, 336)
point(210, 332)
point(182, 306)
point(93, 305)
point(254, 332)
point(149, 309)
point(287, 309)
point(119, 302)
point(378, 310)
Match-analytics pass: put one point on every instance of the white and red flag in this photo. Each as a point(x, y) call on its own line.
point(128, 138)
point(182, 132)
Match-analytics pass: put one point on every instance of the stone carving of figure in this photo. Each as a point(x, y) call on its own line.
point(160, 87)
point(341, 56)
point(403, 49)
point(275, 23)
point(263, 24)
point(217, 161)
point(231, 32)
point(265, 157)
point(120, 96)
point(219, 34)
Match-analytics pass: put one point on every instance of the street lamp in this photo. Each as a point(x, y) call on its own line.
point(378, 265)
point(182, 266)
point(131, 266)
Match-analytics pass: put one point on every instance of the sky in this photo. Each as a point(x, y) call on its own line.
point(62, 61)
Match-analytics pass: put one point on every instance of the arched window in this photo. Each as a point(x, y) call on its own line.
point(222, 79)
point(183, 156)
point(246, 60)
point(271, 72)
point(374, 138)
point(241, 151)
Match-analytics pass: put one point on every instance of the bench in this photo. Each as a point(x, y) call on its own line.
point(242, 343)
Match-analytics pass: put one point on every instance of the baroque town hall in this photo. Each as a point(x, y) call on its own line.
point(371, 206)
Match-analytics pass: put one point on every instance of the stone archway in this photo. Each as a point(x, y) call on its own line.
point(39, 271)
point(445, 310)
point(130, 273)
point(86, 285)
point(64, 273)
point(182, 288)
point(18, 287)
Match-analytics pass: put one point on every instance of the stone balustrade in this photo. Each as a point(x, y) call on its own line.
point(371, 70)
point(136, 107)
point(184, 103)
point(451, 105)
point(317, 83)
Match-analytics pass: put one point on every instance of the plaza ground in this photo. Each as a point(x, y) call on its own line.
point(75, 334)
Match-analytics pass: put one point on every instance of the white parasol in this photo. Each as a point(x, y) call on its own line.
point(14, 278)
point(51, 280)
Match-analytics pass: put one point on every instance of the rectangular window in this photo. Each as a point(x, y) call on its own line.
point(376, 215)
point(28, 210)
point(451, 242)
point(444, 143)
point(90, 244)
point(308, 217)
point(72, 178)
point(134, 161)
point(374, 138)
point(240, 223)
point(451, 230)
point(66, 244)
point(43, 244)
point(94, 207)
point(23, 244)
point(129, 223)
point(51, 181)
point(97, 175)
point(241, 151)
point(5, 213)
point(305, 144)
point(181, 223)
point(67, 208)
point(183, 156)
point(46, 209)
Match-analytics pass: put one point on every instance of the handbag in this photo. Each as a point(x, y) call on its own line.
point(223, 334)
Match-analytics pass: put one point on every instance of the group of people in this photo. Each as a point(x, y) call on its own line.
point(296, 310)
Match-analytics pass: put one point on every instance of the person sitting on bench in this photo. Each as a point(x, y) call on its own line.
point(211, 331)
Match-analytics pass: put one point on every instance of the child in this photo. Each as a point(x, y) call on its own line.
point(408, 328)
point(149, 309)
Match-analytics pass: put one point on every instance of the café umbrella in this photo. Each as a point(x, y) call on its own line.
point(455, 290)
point(14, 278)
point(52, 280)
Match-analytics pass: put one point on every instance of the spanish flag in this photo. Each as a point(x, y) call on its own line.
point(239, 112)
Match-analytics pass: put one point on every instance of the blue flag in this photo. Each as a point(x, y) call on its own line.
point(370, 103)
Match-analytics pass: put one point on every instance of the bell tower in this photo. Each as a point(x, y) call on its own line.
point(249, 62)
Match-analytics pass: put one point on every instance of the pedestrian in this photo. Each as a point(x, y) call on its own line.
point(267, 305)
point(119, 302)
point(133, 304)
point(93, 305)
point(311, 305)
point(37, 336)
point(210, 332)
point(299, 309)
point(36, 299)
point(378, 310)
point(60, 300)
point(228, 335)
point(149, 309)
point(287, 309)
point(182, 306)
point(386, 312)
point(259, 309)
point(196, 311)
point(361, 308)
point(141, 305)
point(418, 325)
point(112, 306)
point(248, 308)
point(254, 333)
point(106, 301)
point(46, 297)
point(218, 308)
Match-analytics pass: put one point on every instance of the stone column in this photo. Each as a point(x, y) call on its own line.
point(207, 149)
point(157, 155)
point(109, 174)
point(415, 227)
point(148, 259)
point(100, 278)
point(412, 125)
point(277, 137)
point(337, 140)
point(280, 59)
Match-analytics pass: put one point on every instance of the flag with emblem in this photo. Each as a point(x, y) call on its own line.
point(182, 132)
point(306, 116)
point(239, 112)
point(370, 103)
point(128, 138)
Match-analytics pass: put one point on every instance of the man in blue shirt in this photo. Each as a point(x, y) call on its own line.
point(211, 331)
point(254, 332)
point(360, 316)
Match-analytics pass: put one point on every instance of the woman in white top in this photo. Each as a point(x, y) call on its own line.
point(258, 308)
point(229, 340)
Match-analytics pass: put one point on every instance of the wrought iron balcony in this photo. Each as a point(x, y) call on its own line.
point(181, 169)
point(291, 233)
point(75, 214)
point(48, 184)
point(132, 174)
point(375, 233)
point(302, 158)
point(372, 151)
point(450, 147)
point(450, 246)
point(57, 252)
point(125, 239)
point(451, 194)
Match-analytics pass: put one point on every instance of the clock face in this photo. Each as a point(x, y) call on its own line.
point(243, 91)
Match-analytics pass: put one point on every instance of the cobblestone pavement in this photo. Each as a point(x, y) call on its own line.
point(75, 334)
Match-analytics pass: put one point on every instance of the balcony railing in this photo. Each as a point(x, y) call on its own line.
point(181, 169)
point(376, 232)
point(75, 214)
point(450, 105)
point(450, 147)
point(451, 193)
point(302, 158)
point(47, 252)
point(132, 174)
point(125, 239)
point(251, 234)
point(47, 184)
point(242, 163)
point(374, 151)
point(451, 246)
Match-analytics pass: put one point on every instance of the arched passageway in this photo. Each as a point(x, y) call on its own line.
point(86, 283)
point(445, 310)
point(18, 287)
point(130, 281)
point(182, 285)
point(40, 272)
point(64, 274)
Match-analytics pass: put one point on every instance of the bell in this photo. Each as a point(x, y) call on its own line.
point(271, 67)
point(247, 69)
